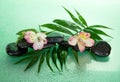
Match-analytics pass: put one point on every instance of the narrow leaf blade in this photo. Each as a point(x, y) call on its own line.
point(93, 34)
point(57, 28)
point(67, 24)
point(23, 31)
point(73, 17)
point(31, 63)
point(100, 32)
point(99, 26)
point(54, 58)
point(75, 55)
point(48, 60)
point(23, 59)
point(41, 62)
point(59, 55)
point(81, 18)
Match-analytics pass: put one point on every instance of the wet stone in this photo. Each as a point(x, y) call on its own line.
point(49, 45)
point(12, 50)
point(23, 44)
point(102, 49)
point(55, 39)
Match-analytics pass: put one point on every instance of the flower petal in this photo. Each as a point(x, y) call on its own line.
point(38, 45)
point(81, 46)
point(41, 35)
point(73, 40)
point(30, 36)
point(89, 42)
point(45, 41)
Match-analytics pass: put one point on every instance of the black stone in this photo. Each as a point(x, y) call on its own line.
point(64, 45)
point(13, 50)
point(22, 44)
point(49, 45)
point(102, 49)
point(55, 39)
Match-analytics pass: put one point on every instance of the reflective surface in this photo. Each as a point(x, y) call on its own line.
point(16, 15)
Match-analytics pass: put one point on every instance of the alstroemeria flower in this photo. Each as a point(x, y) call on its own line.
point(39, 42)
point(30, 36)
point(82, 40)
point(38, 39)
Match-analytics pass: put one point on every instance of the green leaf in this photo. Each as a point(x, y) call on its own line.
point(54, 57)
point(48, 60)
point(32, 62)
point(93, 55)
point(81, 18)
point(57, 28)
point(41, 62)
point(23, 59)
point(73, 17)
point(94, 35)
point(99, 26)
point(64, 56)
point(60, 57)
point(67, 24)
point(75, 55)
point(23, 31)
point(99, 32)
point(20, 38)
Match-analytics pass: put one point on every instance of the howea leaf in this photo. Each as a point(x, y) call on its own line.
point(54, 58)
point(23, 59)
point(41, 62)
point(67, 24)
point(64, 56)
point(99, 32)
point(73, 17)
point(61, 56)
point(93, 34)
point(81, 18)
point(48, 60)
point(57, 28)
point(74, 54)
point(31, 63)
point(99, 26)
point(23, 31)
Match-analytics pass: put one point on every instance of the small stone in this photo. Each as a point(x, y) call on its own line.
point(102, 49)
point(48, 45)
point(23, 44)
point(55, 39)
point(12, 50)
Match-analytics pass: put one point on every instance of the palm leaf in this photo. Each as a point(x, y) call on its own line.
point(48, 60)
point(94, 35)
point(73, 17)
point(23, 31)
point(41, 62)
point(67, 24)
point(57, 28)
point(60, 56)
point(64, 56)
point(81, 18)
point(75, 54)
point(99, 32)
point(23, 59)
point(32, 62)
point(54, 58)
point(99, 26)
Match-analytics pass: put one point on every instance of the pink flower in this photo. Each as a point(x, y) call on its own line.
point(30, 36)
point(38, 39)
point(82, 40)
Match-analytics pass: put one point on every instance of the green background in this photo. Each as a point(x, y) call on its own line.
point(20, 14)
